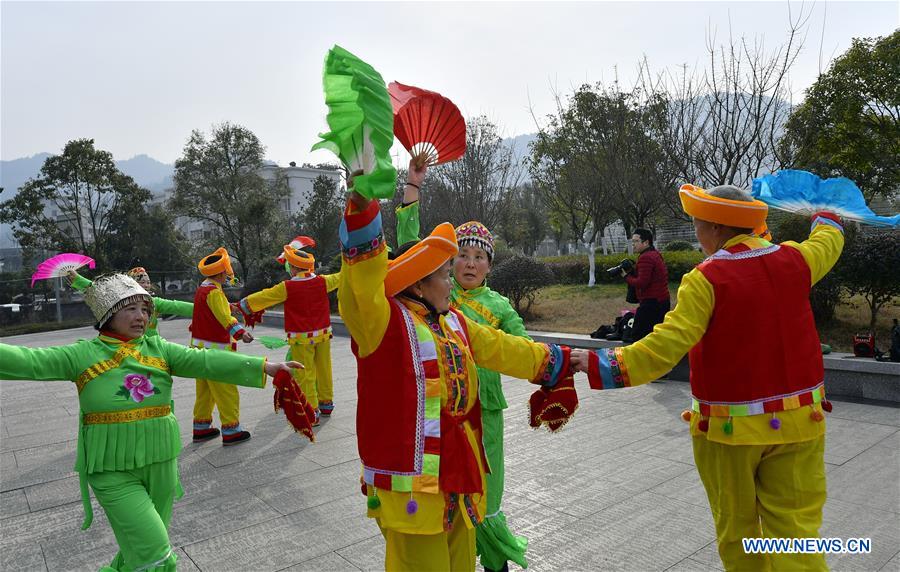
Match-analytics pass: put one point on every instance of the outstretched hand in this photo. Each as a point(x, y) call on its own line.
point(273, 368)
point(579, 360)
point(247, 337)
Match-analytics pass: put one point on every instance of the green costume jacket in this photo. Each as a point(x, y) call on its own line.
point(160, 306)
point(125, 394)
point(481, 304)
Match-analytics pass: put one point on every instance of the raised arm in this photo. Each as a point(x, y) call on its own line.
point(361, 299)
point(824, 245)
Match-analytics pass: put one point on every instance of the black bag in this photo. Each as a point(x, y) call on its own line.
point(631, 295)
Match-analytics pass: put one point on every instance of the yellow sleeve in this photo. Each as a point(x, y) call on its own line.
point(332, 281)
point(682, 328)
point(265, 298)
point(822, 249)
point(218, 303)
point(508, 354)
point(364, 264)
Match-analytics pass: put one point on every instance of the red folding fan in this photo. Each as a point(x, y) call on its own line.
point(428, 124)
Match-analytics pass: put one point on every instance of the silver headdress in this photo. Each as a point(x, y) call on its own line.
point(109, 294)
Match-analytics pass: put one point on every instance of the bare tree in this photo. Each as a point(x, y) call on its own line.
point(723, 122)
point(474, 187)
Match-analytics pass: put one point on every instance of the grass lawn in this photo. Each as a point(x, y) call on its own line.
point(580, 310)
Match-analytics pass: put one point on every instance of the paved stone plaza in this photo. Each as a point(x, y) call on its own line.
point(616, 489)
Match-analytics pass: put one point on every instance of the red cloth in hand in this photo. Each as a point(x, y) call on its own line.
point(553, 407)
point(290, 398)
point(250, 319)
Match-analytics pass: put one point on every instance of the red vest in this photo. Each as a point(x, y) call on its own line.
point(390, 415)
point(306, 308)
point(761, 344)
point(204, 325)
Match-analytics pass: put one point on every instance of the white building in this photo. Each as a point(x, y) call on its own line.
point(300, 181)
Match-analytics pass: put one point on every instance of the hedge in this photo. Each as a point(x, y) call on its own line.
point(573, 268)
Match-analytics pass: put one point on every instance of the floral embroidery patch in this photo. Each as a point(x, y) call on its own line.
point(137, 387)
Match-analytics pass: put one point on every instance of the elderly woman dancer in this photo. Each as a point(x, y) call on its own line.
point(470, 294)
point(128, 438)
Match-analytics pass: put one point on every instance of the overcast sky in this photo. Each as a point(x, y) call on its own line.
point(138, 77)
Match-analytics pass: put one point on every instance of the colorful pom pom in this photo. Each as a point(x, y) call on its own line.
point(412, 507)
point(826, 405)
point(727, 427)
point(686, 415)
point(775, 423)
point(816, 416)
point(373, 502)
point(703, 425)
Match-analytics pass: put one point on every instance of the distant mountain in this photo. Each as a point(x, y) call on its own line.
point(520, 143)
point(148, 172)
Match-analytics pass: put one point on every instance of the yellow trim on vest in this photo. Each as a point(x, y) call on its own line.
point(127, 416)
point(479, 309)
point(123, 352)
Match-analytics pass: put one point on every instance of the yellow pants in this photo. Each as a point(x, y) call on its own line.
point(452, 551)
point(222, 395)
point(772, 491)
point(315, 378)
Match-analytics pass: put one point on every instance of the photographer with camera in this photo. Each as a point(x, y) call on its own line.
point(650, 280)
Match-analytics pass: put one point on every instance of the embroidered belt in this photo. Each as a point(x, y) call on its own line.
point(310, 337)
point(126, 416)
point(768, 405)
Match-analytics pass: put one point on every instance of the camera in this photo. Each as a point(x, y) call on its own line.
point(626, 265)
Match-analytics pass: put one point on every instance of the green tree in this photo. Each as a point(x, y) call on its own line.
point(73, 204)
point(322, 216)
point(849, 123)
point(218, 181)
point(523, 223)
point(870, 267)
point(148, 236)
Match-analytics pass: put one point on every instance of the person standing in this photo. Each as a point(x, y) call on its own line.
point(214, 327)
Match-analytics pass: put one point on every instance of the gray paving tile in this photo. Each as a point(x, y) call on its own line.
point(862, 480)
point(686, 487)
point(334, 452)
point(79, 550)
point(866, 413)
point(367, 555)
point(13, 503)
point(194, 522)
point(287, 540)
point(847, 520)
point(893, 564)
point(53, 493)
point(846, 439)
point(637, 534)
point(691, 565)
point(312, 489)
point(21, 556)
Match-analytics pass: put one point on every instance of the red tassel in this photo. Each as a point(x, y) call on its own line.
point(826, 405)
point(703, 425)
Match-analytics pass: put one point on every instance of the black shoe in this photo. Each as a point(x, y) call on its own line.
point(201, 435)
point(235, 438)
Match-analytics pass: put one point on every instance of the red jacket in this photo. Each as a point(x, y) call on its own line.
point(651, 281)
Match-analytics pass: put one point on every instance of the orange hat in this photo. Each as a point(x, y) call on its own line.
point(739, 214)
point(216, 263)
point(425, 257)
point(299, 258)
